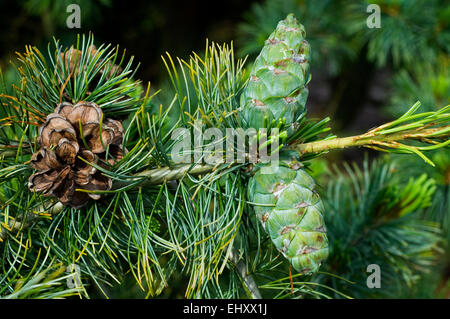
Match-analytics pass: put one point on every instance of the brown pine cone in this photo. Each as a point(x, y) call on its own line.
point(71, 132)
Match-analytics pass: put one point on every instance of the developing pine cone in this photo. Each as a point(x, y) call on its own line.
point(72, 58)
point(70, 133)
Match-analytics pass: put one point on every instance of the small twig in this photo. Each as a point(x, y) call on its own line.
point(248, 280)
point(27, 220)
point(364, 140)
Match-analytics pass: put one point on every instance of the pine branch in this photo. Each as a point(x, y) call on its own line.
point(430, 128)
point(375, 220)
point(372, 139)
point(164, 174)
point(46, 280)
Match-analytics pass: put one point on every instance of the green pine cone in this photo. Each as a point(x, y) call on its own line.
point(277, 86)
point(292, 215)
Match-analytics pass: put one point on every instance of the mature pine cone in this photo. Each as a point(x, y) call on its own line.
point(71, 132)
